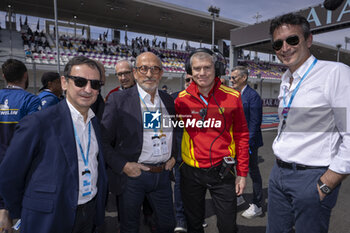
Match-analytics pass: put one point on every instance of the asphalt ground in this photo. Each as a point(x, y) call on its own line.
point(339, 223)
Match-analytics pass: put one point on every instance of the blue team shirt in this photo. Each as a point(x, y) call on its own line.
point(48, 99)
point(15, 104)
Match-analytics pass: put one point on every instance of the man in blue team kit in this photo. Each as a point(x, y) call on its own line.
point(51, 90)
point(15, 103)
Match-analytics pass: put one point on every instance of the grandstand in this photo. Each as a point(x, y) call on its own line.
point(38, 49)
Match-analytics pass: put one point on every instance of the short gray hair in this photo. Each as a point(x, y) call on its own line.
point(131, 66)
point(242, 70)
point(202, 56)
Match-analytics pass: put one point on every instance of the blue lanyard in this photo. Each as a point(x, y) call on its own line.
point(204, 100)
point(287, 107)
point(85, 159)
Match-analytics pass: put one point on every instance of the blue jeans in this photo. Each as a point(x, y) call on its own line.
point(157, 188)
point(254, 173)
point(179, 207)
point(293, 200)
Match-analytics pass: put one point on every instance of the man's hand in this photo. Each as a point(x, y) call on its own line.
point(240, 185)
point(170, 164)
point(322, 195)
point(5, 221)
point(133, 169)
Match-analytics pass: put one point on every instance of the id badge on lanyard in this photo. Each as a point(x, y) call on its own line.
point(86, 189)
point(163, 144)
point(156, 145)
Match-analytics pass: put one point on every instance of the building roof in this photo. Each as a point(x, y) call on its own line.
point(143, 16)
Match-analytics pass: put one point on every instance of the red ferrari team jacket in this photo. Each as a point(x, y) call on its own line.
point(213, 128)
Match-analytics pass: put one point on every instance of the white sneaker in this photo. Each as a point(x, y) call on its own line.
point(240, 200)
point(252, 212)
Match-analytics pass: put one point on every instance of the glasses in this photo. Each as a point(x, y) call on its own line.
point(120, 74)
point(82, 82)
point(234, 77)
point(144, 69)
point(187, 80)
point(291, 40)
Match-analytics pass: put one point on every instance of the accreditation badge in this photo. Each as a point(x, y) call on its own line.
point(163, 144)
point(156, 144)
point(86, 189)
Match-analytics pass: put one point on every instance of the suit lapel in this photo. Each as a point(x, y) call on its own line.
point(64, 129)
point(136, 111)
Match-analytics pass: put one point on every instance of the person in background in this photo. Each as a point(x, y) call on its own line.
point(123, 71)
point(252, 105)
point(15, 103)
point(51, 89)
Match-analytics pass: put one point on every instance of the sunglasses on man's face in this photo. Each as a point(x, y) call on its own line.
point(82, 82)
point(291, 40)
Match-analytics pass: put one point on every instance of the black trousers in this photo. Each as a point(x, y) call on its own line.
point(194, 184)
point(85, 218)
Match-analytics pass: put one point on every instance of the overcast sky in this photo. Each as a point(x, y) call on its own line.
point(244, 10)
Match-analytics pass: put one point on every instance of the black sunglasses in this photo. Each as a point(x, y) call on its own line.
point(82, 82)
point(234, 77)
point(291, 40)
point(187, 80)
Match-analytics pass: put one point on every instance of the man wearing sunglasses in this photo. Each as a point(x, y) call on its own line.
point(53, 177)
point(312, 146)
point(141, 157)
point(123, 71)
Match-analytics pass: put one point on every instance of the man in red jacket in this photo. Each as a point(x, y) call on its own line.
point(215, 135)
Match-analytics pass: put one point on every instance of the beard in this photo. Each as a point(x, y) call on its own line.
point(148, 88)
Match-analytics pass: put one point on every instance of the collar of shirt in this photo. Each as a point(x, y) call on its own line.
point(297, 75)
point(147, 97)
point(76, 115)
point(13, 87)
point(243, 89)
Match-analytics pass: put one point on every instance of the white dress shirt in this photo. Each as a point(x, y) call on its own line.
point(82, 129)
point(147, 155)
point(317, 131)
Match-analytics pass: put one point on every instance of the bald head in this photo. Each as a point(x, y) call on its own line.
point(123, 71)
point(148, 72)
point(146, 56)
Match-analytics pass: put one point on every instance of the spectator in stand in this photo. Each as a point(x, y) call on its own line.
point(16, 103)
point(312, 146)
point(51, 90)
point(123, 71)
point(252, 105)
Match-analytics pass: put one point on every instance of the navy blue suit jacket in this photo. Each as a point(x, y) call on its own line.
point(122, 128)
point(39, 174)
point(252, 105)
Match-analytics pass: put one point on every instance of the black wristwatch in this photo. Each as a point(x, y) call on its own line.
point(324, 188)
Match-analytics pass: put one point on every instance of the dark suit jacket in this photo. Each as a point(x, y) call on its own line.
point(122, 129)
point(252, 105)
point(39, 174)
